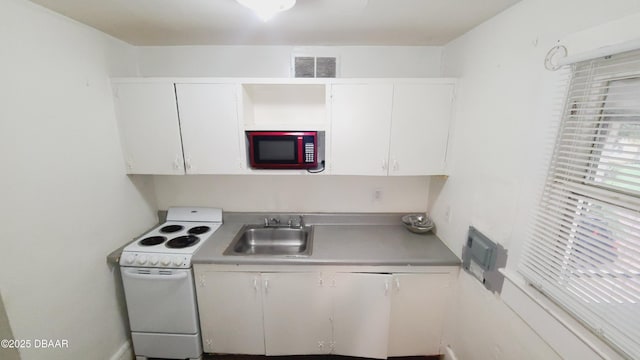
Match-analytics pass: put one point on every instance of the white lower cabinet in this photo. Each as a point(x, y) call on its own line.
point(363, 314)
point(297, 314)
point(418, 304)
point(361, 304)
point(230, 308)
point(264, 313)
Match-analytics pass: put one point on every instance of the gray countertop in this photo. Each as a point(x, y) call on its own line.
point(339, 239)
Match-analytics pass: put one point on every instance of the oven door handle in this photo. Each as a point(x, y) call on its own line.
point(135, 275)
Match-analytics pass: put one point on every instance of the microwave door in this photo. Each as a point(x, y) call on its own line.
point(282, 149)
point(278, 151)
point(275, 152)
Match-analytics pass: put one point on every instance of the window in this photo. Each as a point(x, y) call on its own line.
point(584, 250)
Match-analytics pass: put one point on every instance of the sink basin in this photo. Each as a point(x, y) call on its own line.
point(271, 241)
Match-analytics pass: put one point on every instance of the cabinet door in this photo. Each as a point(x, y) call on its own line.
point(420, 128)
point(418, 305)
point(360, 123)
point(361, 307)
point(210, 128)
point(149, 128)
point(297, 314)
point(230, 306)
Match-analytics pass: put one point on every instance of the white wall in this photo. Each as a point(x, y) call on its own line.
point(66, 202)
point(505, 113)
point(275, 61)
point(6, 333)
point(295, 193)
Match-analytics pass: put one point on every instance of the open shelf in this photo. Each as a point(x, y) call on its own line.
point(284, 106)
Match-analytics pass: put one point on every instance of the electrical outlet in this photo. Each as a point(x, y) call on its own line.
point(448, 215)
point(377, 194)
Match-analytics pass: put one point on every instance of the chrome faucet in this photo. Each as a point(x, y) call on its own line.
point(297, 225)
point(294, 222)
point(273, 222)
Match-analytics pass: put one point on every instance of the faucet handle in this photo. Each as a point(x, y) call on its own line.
point(272, 222)
point(299, 224)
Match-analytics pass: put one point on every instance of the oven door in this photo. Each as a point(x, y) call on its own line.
point(160, 300)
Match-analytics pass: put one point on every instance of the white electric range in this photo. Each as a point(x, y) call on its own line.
point(171, 244)
point(159, 287)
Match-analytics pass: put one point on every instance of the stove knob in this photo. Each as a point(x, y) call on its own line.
point(130, 259)
point(142, 259)
point(153, 260)
point(166, 261)
point(178, 261)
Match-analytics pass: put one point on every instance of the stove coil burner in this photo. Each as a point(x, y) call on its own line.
point(199, 230)
point(171, 229)
point(153, 240)
point(182, 242)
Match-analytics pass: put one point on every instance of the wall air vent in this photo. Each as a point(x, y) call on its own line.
point(314, 66)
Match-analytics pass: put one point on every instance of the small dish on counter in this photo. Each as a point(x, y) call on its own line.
point(417, 223)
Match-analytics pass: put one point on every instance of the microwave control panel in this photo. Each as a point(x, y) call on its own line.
point(309, 152)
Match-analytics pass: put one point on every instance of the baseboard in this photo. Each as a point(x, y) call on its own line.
point(449, 354)
point(125, 352)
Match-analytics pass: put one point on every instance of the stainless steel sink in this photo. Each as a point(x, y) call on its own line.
point(272, 241)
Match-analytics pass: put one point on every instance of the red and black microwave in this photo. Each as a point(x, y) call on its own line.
point(283, 149)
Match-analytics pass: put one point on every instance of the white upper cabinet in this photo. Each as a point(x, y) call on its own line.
point(395, 128)
point(360, 123)
point(420, 128)
point(373, 127)
point(210, 128)
point(150, 132)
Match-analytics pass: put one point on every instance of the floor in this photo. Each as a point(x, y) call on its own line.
point(307, 357)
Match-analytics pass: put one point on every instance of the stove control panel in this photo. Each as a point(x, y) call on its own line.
point(175, 261)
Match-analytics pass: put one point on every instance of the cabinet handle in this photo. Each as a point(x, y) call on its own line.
point(266, 286)
point(187, 163)
point(176, 163)
point(395, 165)
point(384, 165)
point(397, 284)
point(255, 284)
point(386, 288)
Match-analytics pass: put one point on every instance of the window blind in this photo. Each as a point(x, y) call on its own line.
point(584, 248)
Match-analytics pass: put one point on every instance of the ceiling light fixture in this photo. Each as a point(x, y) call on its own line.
point(266, 9)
